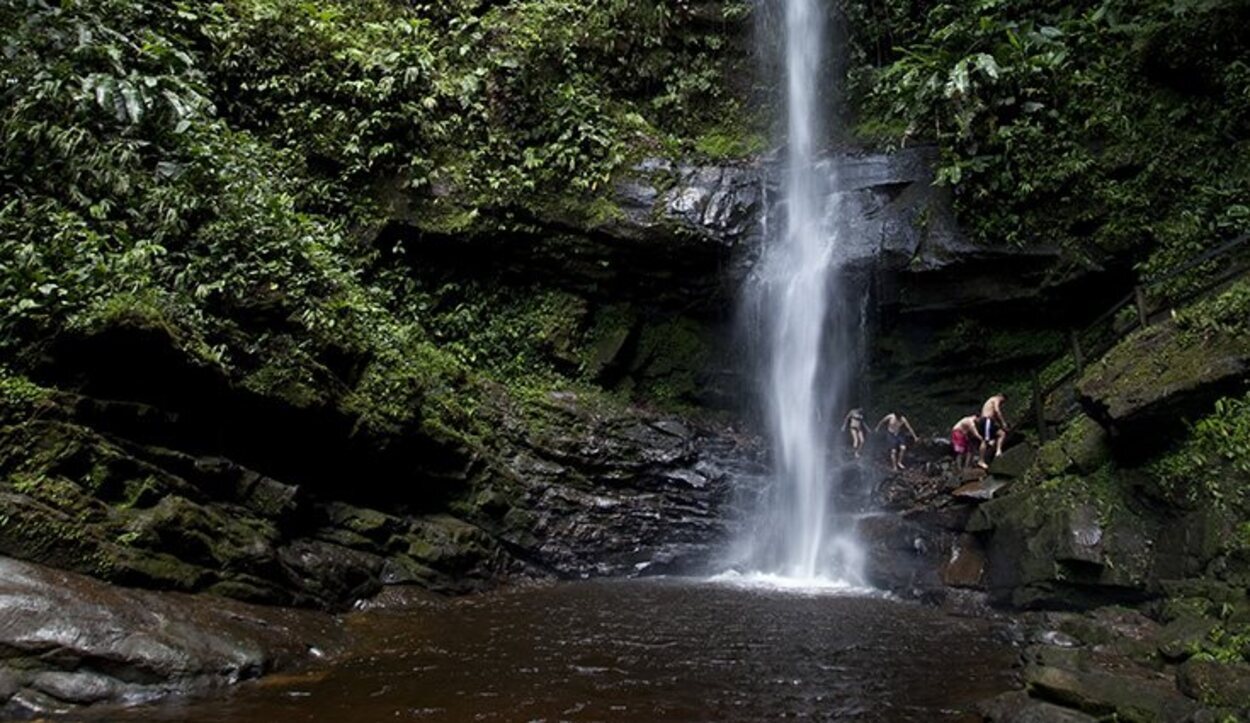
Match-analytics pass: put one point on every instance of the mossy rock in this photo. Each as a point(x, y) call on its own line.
point(250, 589)
point(1063, 548)
point(605, 351)
point(52, 449)
point(1216, 684)
point(347, 538)
point(31, 530)
point(404, 570)
point(371, 524)
point(450, 545)
point(203, 535)
point(157, 570)
point(1130, 698)
point(1149, 384)
point(1184, 637)
point(1186, 545)
point(671, 359)
point(1082, 448)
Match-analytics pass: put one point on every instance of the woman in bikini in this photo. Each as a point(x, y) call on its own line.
point(854, 422)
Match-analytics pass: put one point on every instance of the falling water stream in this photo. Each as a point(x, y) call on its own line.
point(804, 334)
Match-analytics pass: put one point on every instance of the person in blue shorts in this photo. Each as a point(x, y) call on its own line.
point(895, 424)
point(992, 426)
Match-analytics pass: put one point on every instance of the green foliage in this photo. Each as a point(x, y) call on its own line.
point(508, 331)
point(18, 394)
point(487, 104)
point(1103, 128)
point(1213, 466)
point(1225, 314)
point(1226, 643)
point(727, 143)
point(209, 169)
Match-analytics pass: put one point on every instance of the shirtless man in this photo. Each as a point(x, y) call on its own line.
point(854, 421)
point(894, 424)
point(993, 426)
point(962, 434)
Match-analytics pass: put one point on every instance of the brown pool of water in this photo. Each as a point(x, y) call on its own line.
point(642, 650)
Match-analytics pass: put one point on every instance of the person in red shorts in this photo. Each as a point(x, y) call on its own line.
point(962, 436)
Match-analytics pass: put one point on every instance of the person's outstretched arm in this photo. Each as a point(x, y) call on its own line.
point(846, 421)
point(884, 419)
point(915, 437)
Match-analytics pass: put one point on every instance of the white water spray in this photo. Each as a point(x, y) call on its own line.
point(804, 337)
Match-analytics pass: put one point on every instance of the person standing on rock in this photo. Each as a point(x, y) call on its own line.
point(854, 421)
point(993, 426)
point(894, 424)
point(962, 434)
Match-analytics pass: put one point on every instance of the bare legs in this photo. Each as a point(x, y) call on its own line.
point(857, 441)
point(999, 436)
point(897, 455)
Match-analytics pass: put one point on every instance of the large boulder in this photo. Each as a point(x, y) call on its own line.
point(1138, 697)
point(1063, 549)
point(1145, 388)
point(1223, 685)
point(68, 640)
point(1018, 707)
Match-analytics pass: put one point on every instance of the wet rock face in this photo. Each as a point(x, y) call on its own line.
point(670, 236)
point(68, 640)
point(916, 543)
point(721, 205)
point(154, 517)
point(588, 494)
point(139, 492)
point(678, 235)
point(901, 226)
point(600, 497)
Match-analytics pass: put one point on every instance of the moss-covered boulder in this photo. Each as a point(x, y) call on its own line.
point(1217, 684)
point(1064, 547)
point(1147, 386)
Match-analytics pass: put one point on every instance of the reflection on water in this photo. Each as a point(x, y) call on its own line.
point(637, 651)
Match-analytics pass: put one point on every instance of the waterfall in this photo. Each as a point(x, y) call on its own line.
point(803, 327)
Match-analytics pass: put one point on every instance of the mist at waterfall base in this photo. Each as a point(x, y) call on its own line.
point(803, 335)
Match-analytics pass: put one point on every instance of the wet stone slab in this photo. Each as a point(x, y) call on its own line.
point(67, 640)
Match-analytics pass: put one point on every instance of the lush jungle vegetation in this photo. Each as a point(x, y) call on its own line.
point(1117, 129)
point(221, 170)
